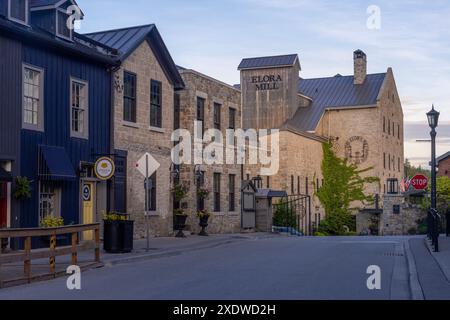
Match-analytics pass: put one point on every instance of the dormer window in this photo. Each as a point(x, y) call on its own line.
point(18, 11)
point(62, 25)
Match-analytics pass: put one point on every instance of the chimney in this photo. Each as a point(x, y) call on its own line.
point(360, 65)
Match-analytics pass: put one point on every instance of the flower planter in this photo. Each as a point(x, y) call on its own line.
point(118, 236)
point(180, 225)
point(203, 224)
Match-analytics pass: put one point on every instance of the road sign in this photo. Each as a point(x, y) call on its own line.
point(419, 182)
point(104, 168)
point(147, 165)
point(86, 192)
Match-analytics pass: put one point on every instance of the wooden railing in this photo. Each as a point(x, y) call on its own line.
point(26, 255)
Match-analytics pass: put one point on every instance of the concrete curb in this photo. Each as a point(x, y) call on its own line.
point(182, 250)
point(414, 284)
point(434, 254)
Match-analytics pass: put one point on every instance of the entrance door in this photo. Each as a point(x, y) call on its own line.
point(88, 198)
point(3, 204)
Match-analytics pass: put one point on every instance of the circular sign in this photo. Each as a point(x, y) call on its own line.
point(86, 192)
point(104, 168)
point(419, 182)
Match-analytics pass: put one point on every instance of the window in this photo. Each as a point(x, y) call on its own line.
point(49, 200)
point(232, 194)
point(307, 186)
point(18, 11)
point(292, 185)
point(399, 164)
point(216, 192)
point(177, 107)
point(384, 124)
point(201, 112)
point(62, 30)
point(389, 127)
point(389, 158)
point(398, 131)
point(79, 97)
point(298, 185)
point(156, 104)
point(268, 182)
point(129, 97)
point(32, 98)
point(217, 115)
point(152, 193)
point(384, 160)
point(232, 118)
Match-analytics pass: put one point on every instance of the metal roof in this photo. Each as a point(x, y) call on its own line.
point(126, 40)
point(443, 157)
point(334, 93)
point(46, 3)
point(268, 62)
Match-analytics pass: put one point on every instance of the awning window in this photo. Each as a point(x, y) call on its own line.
point(55, 164)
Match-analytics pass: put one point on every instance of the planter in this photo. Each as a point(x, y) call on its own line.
point(118, 236)
point(203, 224)
point(180, 225)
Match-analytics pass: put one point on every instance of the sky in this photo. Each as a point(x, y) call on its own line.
point(411, 36)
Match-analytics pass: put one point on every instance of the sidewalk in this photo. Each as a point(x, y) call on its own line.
point(159, 248)
point(443, 256)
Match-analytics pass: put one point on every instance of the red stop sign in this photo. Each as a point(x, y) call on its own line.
point(419, 182)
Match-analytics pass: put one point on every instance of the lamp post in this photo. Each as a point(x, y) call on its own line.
point(433, 120)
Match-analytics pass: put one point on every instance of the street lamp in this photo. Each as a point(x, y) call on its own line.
point(433, 120)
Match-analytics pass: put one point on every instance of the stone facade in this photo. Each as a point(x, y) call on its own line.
point(213, 92)
point(138, 138)
point(374, 131)
point(444, 167)
point(400, 216)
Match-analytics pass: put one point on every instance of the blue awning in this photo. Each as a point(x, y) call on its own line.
point(5, 176)
point(55, 164)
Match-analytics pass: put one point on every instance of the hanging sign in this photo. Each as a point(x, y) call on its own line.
point(86, 193)
point(104, 168)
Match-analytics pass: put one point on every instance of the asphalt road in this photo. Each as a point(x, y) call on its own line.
point(277, 268)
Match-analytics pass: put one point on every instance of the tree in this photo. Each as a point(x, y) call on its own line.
point(343, 185)
point(442, 195)
point(411, 171)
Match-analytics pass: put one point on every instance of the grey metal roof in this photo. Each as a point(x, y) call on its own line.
point(126, 40)
point(45, 3)
point(443, 157)
point(267, 62)
point(334, 92)
point(269, 193)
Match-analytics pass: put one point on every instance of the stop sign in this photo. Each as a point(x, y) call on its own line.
point(419, 182)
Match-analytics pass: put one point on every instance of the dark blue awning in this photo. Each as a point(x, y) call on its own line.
point(55, 164)
point(5, 176)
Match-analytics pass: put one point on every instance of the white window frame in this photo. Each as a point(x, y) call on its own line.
point(27, 14)
point(58, 34)
point(40, 125)
point(57, 192)
point(85, 133)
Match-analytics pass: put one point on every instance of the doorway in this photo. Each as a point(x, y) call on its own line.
point(88, 198)
point(3, 204)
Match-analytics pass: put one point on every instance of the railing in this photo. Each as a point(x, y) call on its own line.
point(27, 254)
point(434, 228)
point(293, 214)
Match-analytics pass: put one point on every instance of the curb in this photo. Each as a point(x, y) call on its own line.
point(180, 251)
point(414, 283)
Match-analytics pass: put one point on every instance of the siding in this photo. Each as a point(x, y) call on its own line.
point(58, 70)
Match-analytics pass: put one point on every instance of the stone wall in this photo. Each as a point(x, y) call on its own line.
point(402, 223)
point(213, 91)
point(139, 138)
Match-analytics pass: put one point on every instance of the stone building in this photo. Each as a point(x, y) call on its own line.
point(361, 114)
point(217, 106)
point(145, 86)
point(444, 165)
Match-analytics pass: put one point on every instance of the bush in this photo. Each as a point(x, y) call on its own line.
point(284, 216)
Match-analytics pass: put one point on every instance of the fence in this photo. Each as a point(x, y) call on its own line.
point(26, 255)
point(294, 212)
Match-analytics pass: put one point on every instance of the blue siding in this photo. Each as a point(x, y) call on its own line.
point(58, 70)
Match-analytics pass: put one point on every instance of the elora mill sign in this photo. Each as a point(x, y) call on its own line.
point(267, 82)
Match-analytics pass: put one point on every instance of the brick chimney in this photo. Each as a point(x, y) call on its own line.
point(360, 65)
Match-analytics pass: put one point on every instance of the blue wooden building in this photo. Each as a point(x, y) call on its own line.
point(54, 113)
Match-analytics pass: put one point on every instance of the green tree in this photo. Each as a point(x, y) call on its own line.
point(411, 171)
point(343, 185)
point(443, 195)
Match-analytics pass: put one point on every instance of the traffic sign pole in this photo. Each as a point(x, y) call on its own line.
point(147, 227)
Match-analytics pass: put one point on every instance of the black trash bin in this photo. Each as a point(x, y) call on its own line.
point(118, 236)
